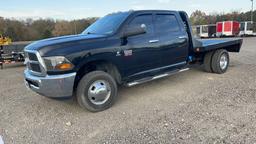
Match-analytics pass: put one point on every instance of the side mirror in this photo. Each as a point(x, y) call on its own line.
point(135, 30)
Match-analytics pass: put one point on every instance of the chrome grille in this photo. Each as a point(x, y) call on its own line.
point(35, 67)
point(32, 56)
point(33, 63)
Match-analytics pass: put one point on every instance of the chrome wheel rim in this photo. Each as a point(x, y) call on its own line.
point(99, 92)
point(223, 61)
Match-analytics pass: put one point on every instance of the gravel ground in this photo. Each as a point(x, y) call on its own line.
point(190, 107)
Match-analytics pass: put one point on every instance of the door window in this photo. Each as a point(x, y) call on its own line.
point(146, 20)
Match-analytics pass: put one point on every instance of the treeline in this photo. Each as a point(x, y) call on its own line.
point(201, 18)
point(30, 30)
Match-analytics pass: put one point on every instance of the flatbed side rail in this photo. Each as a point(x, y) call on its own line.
point(229, 45)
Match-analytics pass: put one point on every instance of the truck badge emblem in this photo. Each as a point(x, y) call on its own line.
point(128, 53)
point(118, 53)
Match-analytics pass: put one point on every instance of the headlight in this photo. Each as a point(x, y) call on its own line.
point(57, 63)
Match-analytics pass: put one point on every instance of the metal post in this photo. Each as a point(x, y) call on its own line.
point(1, 58)
point(252, 12)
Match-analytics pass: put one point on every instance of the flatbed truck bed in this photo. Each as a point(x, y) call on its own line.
point(233, 45)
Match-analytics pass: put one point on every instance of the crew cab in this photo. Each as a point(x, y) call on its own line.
point(124, 48)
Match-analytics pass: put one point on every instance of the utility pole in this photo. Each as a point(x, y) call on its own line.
point(252, 12)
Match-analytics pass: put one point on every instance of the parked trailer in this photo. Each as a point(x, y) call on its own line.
point(228, 28)
point(246, 28)
point(205, 31)
point(12, 53)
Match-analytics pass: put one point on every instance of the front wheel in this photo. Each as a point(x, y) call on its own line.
point(96, 91)
point(220, 61)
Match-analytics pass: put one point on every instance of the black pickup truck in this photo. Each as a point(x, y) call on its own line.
point(124, 48)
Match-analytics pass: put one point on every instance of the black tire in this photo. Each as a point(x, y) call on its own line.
point(84, 85)
point(208, 62)
point(216, 58)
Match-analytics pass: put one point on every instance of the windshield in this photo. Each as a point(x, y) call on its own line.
point(107, 25)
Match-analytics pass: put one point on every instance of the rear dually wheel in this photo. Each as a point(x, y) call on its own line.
point(220, 61)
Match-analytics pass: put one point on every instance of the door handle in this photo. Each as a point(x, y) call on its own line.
point(153, 41)
point(182, 37)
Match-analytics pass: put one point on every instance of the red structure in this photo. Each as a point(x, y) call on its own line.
point(228, 28)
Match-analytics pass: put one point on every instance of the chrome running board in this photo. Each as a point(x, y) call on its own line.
point(137, 82)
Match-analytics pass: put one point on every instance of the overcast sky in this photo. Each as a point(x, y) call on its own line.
point(75, 9)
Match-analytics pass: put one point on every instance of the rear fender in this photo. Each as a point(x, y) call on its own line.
point(233, 48)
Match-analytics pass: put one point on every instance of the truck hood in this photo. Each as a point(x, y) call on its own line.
point(58, 41)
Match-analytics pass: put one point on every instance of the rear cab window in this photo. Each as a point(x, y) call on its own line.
point(166, 23)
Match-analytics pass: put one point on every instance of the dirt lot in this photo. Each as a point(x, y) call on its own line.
point(190, 107)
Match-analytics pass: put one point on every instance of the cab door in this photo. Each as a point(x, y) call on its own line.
point(173, 39)
point(141, 53)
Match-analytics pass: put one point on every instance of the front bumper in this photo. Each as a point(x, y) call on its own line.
point(55, 86)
